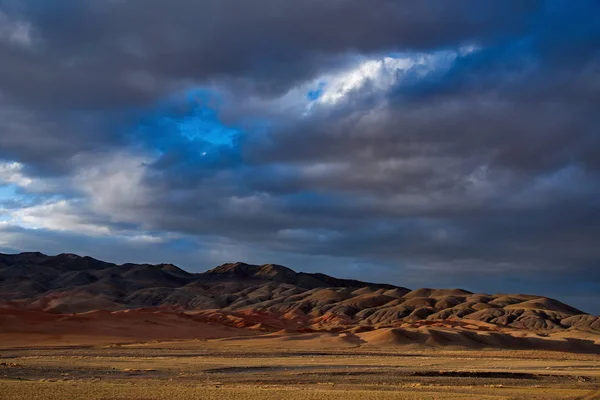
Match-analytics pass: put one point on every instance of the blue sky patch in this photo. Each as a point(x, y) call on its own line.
point(314, 94)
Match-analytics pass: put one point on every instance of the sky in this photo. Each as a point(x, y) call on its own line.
point(425, 144)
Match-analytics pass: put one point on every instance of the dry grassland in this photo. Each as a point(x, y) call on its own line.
point(220, 370)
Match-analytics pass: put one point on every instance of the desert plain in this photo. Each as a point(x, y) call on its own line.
point(78, 328)
point(291, 367)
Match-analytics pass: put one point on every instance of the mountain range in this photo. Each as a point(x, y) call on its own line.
point(270, 298)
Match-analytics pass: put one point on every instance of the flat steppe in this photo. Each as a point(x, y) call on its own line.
point(239, 368)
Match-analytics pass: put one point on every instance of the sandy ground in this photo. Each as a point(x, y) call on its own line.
point(155, 355)
point(26, 328)
point(219, 369)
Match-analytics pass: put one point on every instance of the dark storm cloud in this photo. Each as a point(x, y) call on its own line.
point(47, 140)
point(89, 53)
point(510, 117)
point(88, 57)
point(483, 168)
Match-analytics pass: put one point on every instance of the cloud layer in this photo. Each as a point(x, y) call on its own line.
point(427, 143)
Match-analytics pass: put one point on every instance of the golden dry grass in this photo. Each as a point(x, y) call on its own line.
point(214, 370)
point(138, 389)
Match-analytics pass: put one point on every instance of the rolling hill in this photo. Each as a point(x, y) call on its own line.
point(272, 298)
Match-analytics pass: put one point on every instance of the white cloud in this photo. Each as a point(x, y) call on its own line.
point(383, 73)
point(114, 185)
point(61, 215)
point(107, 190)
point(11, 173)
point(146, 239)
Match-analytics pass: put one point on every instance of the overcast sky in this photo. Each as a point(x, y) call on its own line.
point(421, 143)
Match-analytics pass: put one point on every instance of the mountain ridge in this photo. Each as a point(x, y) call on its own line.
point(236, 270)
point(267, 297)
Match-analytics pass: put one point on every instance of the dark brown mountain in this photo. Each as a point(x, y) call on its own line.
point(240, 271)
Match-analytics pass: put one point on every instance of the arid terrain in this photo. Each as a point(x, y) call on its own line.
point(216, 369)
point(76, 327)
